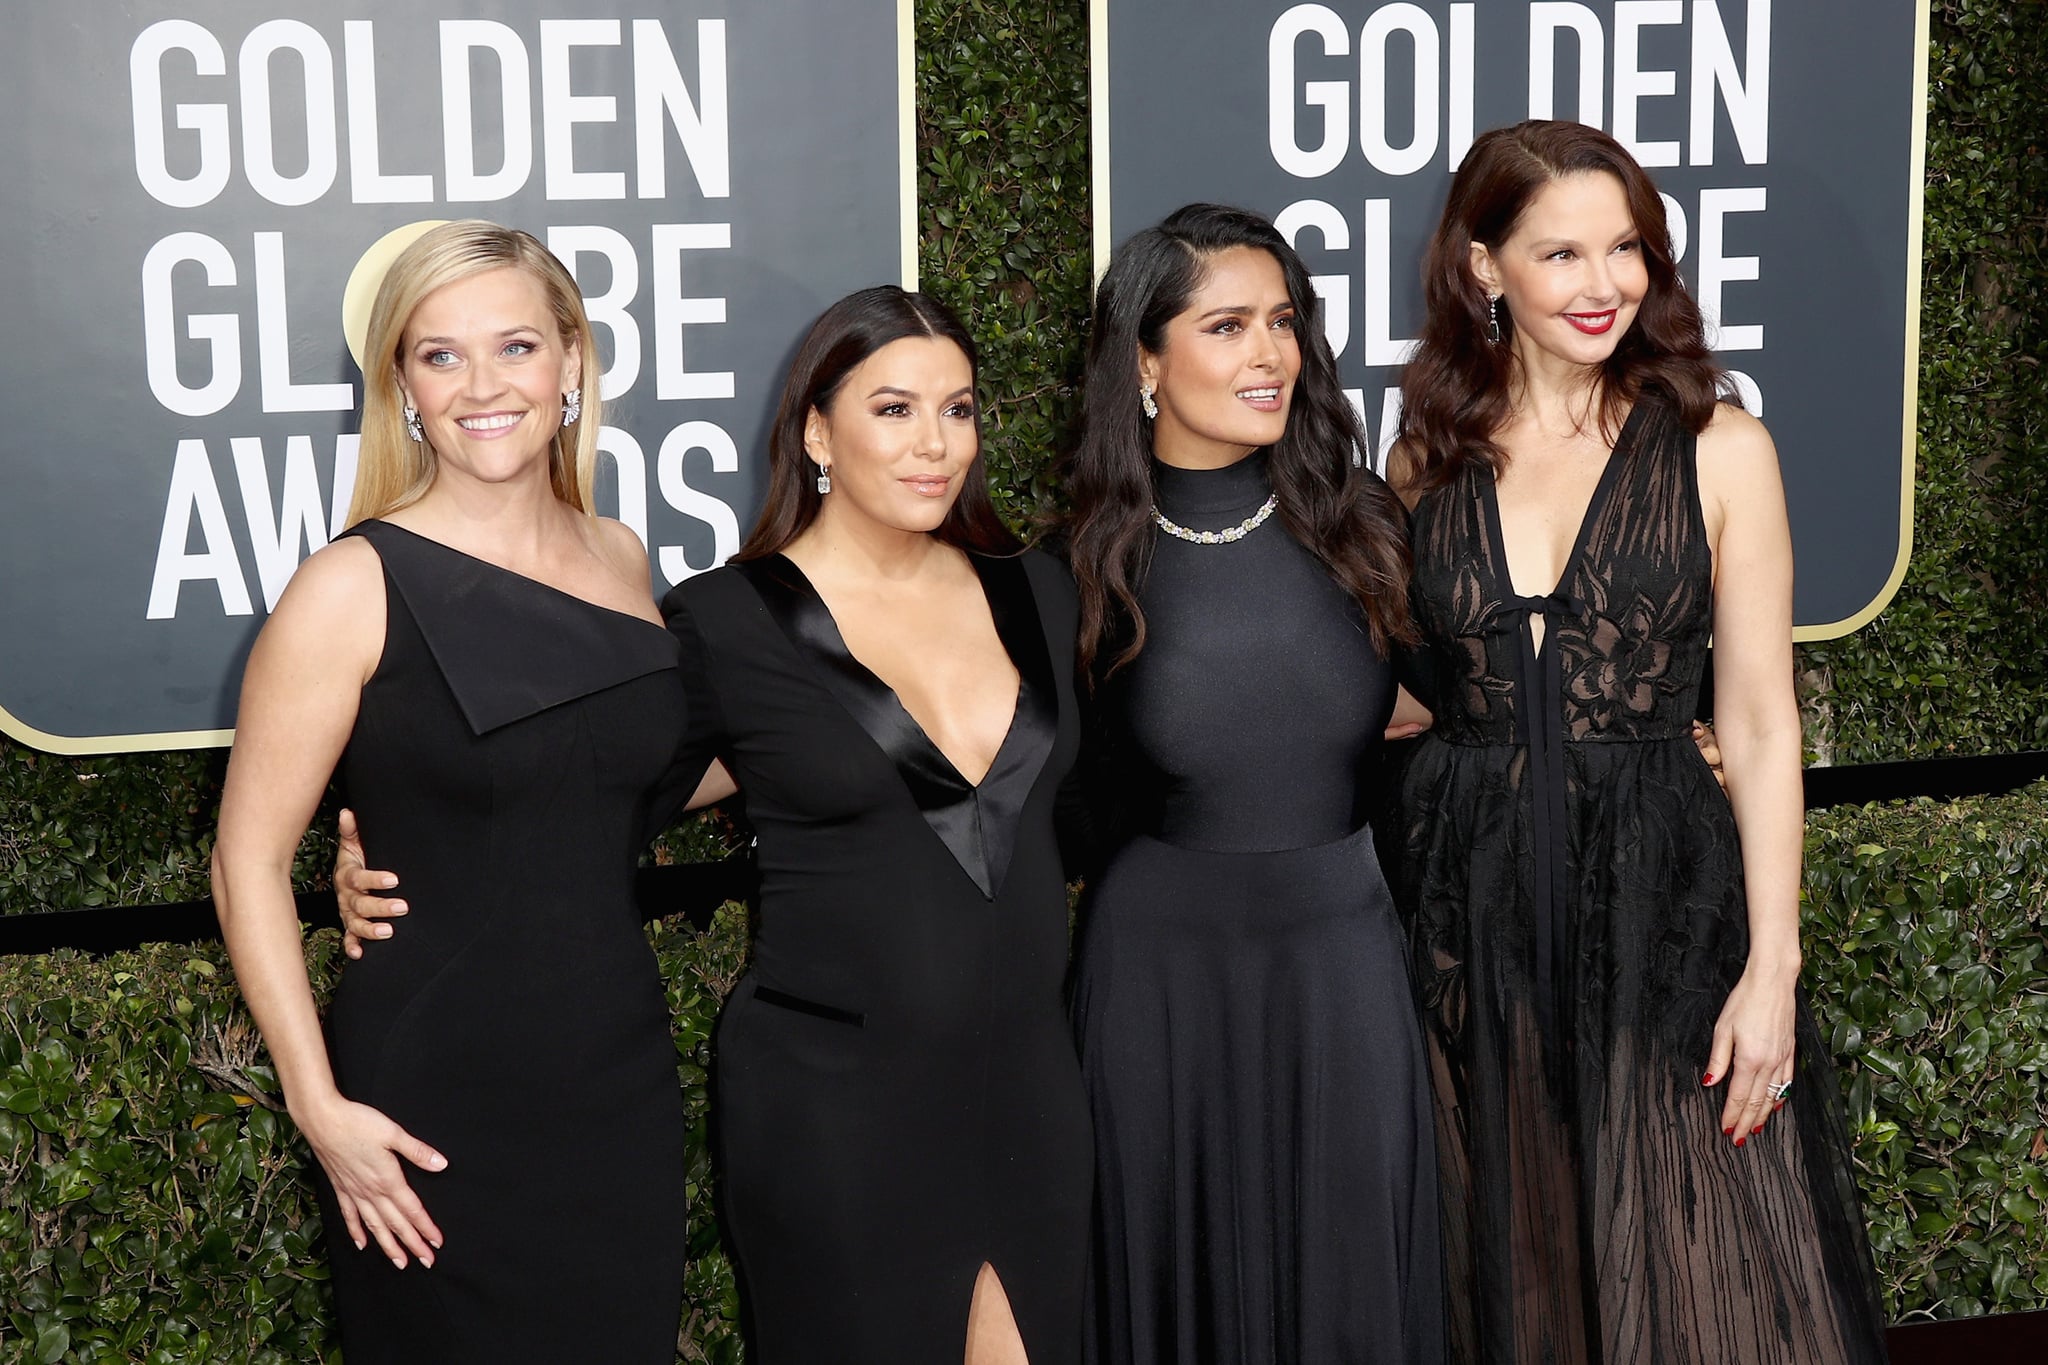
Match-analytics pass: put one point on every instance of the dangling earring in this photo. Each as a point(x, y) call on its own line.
point(572, 407)
point(412, 425)
point(1145, 401)
point(824, 479)
point(1493, 318)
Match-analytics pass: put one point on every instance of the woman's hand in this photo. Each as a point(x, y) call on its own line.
point(1753, 1048)
point(1409, 719)
point(1709, 745)
point(359, 1149)
point(362, 911)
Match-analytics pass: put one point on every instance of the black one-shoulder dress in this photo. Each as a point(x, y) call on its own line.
point(514, 749)
point(896, 1094)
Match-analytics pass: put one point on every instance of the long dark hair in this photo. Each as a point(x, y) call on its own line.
point(1332, 503)
point(844, 335)
point(1457, 390)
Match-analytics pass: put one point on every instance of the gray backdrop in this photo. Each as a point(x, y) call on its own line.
point(1810, 186)
point(187, 179)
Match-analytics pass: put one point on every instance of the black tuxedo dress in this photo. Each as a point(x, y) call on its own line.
point(896, 1093)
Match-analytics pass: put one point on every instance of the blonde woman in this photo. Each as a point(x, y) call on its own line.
point(493, 1102)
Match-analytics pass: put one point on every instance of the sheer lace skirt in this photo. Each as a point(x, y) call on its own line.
point(1595, 1214)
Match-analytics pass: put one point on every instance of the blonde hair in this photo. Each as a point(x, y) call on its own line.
point(392, 469)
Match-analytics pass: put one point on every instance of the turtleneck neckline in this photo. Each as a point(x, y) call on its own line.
point(1236, 488)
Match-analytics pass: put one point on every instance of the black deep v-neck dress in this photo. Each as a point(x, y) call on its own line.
point(896, 1092)
point(514, 749)
point(1578, 917)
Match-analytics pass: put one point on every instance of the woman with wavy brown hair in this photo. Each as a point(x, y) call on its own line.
point(1265, 1178)
point(1607, 947)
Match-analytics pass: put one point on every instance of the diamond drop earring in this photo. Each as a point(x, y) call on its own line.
point(1493, 318)
point(1145, 401)
point(824, 480)
point(412, 425)
point(572, 407)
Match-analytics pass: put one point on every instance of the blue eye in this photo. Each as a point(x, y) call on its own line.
point(440, 357)
point(519, 347)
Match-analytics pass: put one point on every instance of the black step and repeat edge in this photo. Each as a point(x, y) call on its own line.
point(2000, 1339)
point(692, 889)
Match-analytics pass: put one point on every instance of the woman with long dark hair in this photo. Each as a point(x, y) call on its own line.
point(1607, 947)
point(903, 1140)
point(1266, 1184)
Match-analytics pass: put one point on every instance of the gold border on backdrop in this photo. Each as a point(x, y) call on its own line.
point(906, 155)
point(1100, 209)
point(1916, 208)
point(1098, 131)
point(906, 133)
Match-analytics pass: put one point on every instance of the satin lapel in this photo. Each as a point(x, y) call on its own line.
point(976, 824)
point(1007, 786)
point(508, 646)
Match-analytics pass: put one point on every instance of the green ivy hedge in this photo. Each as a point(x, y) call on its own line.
point(153, 1205)
point(153, 1201)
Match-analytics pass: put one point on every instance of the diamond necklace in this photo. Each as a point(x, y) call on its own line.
point(1227, 535)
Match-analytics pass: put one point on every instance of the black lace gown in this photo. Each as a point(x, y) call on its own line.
point(1576, 888)
point(1265, 1174)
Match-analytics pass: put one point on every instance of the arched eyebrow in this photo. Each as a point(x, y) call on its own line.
point(522, 328)
point(1244, 310)
point(894, 392)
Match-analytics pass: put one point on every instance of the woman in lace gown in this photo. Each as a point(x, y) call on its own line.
point(1642, 1149)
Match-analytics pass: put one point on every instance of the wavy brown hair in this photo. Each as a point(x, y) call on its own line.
point(1330, 499)
point(1458, 389)
point(844, 335)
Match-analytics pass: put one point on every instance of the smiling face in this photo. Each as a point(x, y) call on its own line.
point(1224, 377)
point(1571, 274)
point(486, 368)
point(899, 436)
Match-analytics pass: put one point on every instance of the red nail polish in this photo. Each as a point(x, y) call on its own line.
point(1740, 1141)
point(1729, 1131)
point(1709, 1080)
point(1758, 1129)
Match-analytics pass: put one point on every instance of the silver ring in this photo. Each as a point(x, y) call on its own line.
point(1778, 1090)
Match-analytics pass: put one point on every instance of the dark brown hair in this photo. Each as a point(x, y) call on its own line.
point(1457, 390)
point(1331, 501)
point(844, 335)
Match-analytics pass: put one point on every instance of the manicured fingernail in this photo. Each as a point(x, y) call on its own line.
point(1729, 1131)
point(360, 1245)
point(382, 931)
point(1709, 1079)
point(1776, 1107)
point(399, 1261)
point(1758, 1129)
point(1740, 1141)
point(437, 1244)
point(398, 907)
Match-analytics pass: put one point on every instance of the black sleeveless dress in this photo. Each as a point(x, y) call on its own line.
point(514, 749)
point(1575, 882)
point(1266, 1178)
point(895, 1093)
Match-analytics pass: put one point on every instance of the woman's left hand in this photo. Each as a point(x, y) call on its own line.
point(1753, 1049)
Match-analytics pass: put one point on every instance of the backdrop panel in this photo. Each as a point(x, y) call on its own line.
point(1786, 139)
point(176, 400)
